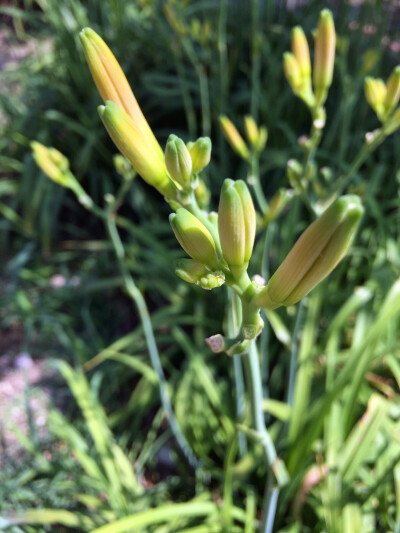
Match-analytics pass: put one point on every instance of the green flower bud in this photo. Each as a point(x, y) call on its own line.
point(212, 280)
point(236, 225)
point(194, 238)
point(393, 90)
point(189, 270)
point(316, 253)
point(202, 194)
point(262, 138)
point(200, 152)
point(178, 160)
point(324, 55)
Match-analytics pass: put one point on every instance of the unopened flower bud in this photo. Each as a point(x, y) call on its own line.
point(53, 163)
point(316, 253)
point(236, 225)
point(194, 238)
point(375, 93)
point(212, 280)
point(292, 71)
point(202, 194)
point(262, 138)
point(130, 142)
point(251, 129)
point(200, 152)
point(178, 160)
point(301, 51)
point(113, 85)
point(189, 270)
point(324, 56)
point(393, 90)
point(277, 204)
point(234, 138)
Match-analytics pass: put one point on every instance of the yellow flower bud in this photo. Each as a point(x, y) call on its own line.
point(375, 93)
point(251, 129)
point(234, 138)
point(194, 238)
point(236, 225)
point(301, 51)
point(316, 253)
point(292, 72)
point(324, 55)
point(200, 152)
point(393, 90)
point(178, 160)
point(130, 142)
point(53, 163)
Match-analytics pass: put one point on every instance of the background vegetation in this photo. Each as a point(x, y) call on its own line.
point(108, 452)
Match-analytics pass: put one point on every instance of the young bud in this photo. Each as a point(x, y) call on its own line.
point(393, 90)
point(53, 163)
point(316, 253)
point(234, 138)
point(277, 205)
point(324, 56)
point(236, 225)
point(251, 129)
point(212, 280)
point(178, 160)
point(292, 72)
point(128, 139)
point(301, 51)
point(262, 138)
point(200, 152)
point(375, 93)
point(194, 238)
point(189, 270)
point(202, 194)
point(113, 85)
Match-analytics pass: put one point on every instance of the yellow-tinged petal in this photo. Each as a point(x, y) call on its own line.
point(301, 51)
point(129, 140)
point(112, 84)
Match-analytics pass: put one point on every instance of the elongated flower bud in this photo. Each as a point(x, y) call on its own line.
point(194, 238)
point(189, 270)
point(393, 90)
point(251, 129)
point(375, 93)
point(236, 225)
point(234, 138)
point(301, 51)
point(178, 160)
point(292, 72)
point(53, 163)
point(324, 56)
point(113, 85)
point(128, 139)
point(200, 152)
point(316, 253)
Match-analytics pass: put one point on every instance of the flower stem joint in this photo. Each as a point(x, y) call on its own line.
point(316, 253)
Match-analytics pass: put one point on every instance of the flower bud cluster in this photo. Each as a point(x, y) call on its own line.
point(297, 63)
point(383, 97)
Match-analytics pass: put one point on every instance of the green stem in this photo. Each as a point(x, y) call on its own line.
point(277, 468)
point(137, 297)
point(254, 181)
point(367, 149)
